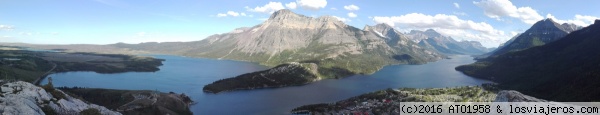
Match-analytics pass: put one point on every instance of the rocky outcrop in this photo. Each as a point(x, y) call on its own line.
point(515, 96)
point(283, 75)
point(25, 98)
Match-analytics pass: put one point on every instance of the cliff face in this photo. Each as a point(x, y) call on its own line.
point(25, 98)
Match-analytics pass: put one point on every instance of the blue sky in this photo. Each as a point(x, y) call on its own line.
point(133, 21)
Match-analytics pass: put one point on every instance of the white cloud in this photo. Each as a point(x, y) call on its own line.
point(351, 7)
point(352, 15)
point(449, 25)
point(291, 5)
point(504, 8)
point(579, 20)
point(7, 27)
point(456, 5)
point(267, 8)
point(312, 4)
point(342, 19)
point(233, 13)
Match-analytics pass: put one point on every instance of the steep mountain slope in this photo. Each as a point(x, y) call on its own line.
point(445, 44)
point(289, 37)
point(542, 32)
point(564, 70)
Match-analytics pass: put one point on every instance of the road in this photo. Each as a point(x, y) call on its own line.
point(39, 79)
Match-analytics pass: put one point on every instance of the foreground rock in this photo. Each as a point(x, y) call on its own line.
point(136, 102)
point(27, 99)
point(280, 76)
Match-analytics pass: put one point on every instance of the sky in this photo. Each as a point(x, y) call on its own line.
point(490, 22)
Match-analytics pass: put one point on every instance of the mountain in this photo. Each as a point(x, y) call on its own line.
point(563, 70)
point(542, 32)
point(445, 44)
point(393, 37)
point(289, 37)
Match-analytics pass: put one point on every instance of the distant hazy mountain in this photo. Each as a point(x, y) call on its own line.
point(542, 32)
point(391, 36)
point(289, 37)
point(445, 44)
point(564, 70)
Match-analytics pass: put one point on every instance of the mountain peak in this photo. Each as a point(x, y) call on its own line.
point(546, 22)
point(432, 33)
point(383, 25)
point(281, 13)
point(597, 21)
point(378, 27)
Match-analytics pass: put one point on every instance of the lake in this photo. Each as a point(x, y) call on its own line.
point(189, 75)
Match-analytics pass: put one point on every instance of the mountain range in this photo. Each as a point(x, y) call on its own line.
point(326, 41)
point(563, 70)
point(446, 44)
point(289, 37)
point(542, 32)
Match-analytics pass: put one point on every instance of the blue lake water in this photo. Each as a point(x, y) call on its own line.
point(189, 75)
